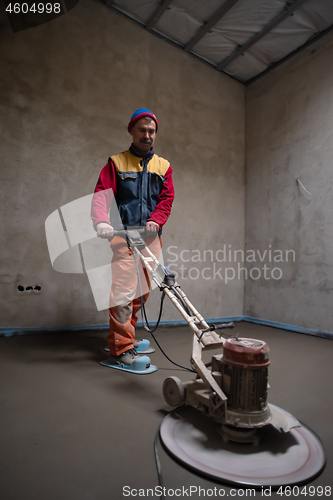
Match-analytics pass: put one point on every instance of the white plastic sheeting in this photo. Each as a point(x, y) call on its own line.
point(183, 19)
point(312, 18)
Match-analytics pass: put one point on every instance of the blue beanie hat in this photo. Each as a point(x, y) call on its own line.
point(141, 113)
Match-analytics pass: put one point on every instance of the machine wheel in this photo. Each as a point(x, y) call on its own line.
point(173, 391)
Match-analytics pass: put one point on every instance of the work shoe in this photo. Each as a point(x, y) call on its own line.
point(141, 346)
point(127, 357)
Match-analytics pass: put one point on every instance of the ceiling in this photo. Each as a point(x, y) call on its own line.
point(242, 38)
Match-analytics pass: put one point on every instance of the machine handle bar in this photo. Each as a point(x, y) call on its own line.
point(125, 232)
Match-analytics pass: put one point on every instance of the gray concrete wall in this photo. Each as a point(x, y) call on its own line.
point(68, 89)
point(289, 134)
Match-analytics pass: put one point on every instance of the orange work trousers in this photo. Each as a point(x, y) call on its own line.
point(126, 292)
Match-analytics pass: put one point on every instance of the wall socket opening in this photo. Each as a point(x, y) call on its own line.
point(29, 288)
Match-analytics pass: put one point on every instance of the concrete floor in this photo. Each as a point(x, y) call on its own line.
point(74, 430)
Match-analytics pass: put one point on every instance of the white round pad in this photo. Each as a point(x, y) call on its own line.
point(280, 459)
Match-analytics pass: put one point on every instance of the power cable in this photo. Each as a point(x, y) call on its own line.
point(158, 463)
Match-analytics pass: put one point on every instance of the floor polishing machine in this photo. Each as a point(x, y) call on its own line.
point(223, 425)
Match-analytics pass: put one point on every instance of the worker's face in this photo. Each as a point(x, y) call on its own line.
point(144, 134)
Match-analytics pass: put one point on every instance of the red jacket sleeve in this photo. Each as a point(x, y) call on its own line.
point(105, 190)
point(164, 201)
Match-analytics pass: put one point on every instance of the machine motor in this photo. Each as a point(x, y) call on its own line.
point(244, 369)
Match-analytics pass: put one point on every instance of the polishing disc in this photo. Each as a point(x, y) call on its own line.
point(280, 458)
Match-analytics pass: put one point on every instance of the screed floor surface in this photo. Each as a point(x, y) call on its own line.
point(74, 430)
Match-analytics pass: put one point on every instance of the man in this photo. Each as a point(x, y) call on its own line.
point(141, 183)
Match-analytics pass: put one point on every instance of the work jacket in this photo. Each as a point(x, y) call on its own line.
point(141, 185)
